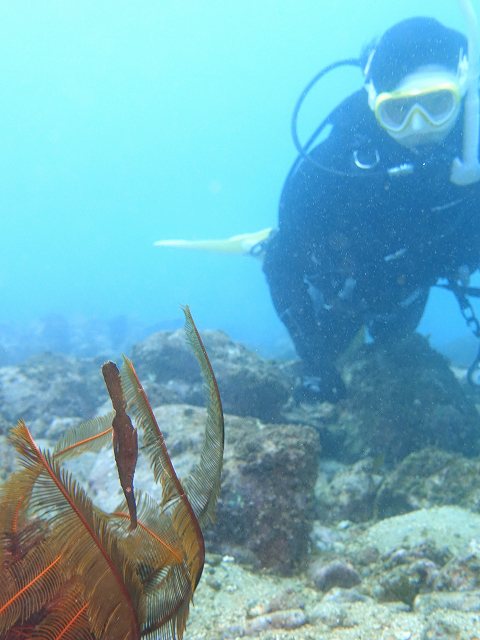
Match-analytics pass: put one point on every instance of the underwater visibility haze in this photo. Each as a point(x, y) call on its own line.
point(122, 124)
point(338, 516)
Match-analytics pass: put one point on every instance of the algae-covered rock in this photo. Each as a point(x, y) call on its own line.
point(249, 385)
point(7, 462)
point(402, 397)
point(48, 386)
point(346, 492)
point(406, 397)
point(428, 478)
point(461, 573)
point(453, 601)
point(444, 527)
point(420, 552)
point(267, 499)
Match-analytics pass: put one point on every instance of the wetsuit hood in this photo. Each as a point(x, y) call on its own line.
point(410, 44)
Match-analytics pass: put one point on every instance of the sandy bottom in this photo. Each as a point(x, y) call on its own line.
point(232, 602)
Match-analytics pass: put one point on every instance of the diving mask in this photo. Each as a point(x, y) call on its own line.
point(423, 108)
point(394, 110)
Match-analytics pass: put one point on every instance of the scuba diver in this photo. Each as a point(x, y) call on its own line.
point(385, 206)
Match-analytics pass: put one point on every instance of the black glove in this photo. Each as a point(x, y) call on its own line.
point(325, 387)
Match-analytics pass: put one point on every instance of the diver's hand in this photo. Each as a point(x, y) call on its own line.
point(328, 387)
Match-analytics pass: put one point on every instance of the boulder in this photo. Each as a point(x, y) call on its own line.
point(49, 386)
point(430, 478)
point(405, 397)
point(402, 397)
point(249, 385)
point(267, 499)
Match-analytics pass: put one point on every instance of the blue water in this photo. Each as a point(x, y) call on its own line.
point(122, 123)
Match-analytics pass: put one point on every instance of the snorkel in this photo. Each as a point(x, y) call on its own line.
point(466, 170)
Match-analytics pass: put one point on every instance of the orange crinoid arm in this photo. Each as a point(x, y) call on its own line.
point(71, 571)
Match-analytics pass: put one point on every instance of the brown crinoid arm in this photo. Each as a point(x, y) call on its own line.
point(186, 505)
point(203, 484)
point(168, 600)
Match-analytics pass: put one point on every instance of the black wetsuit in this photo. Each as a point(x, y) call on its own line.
point(363, 246)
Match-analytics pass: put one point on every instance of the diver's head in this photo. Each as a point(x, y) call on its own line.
point(416, 78)
point(423, 108)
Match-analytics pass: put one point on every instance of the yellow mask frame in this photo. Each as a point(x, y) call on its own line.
point(436, 103)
